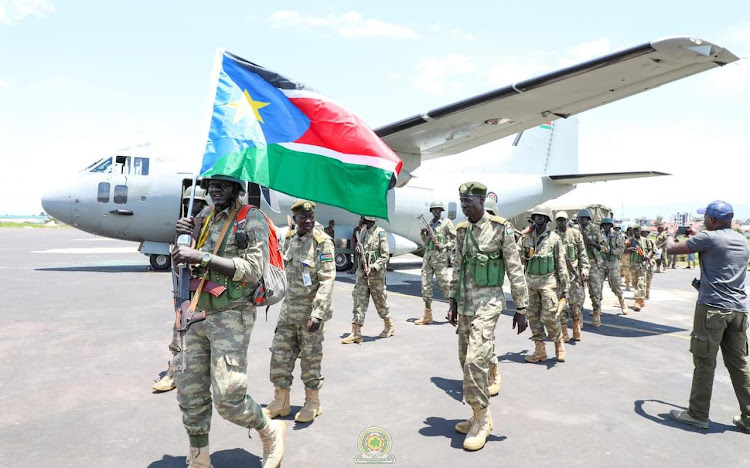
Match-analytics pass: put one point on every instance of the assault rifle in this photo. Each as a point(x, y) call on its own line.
point(573, 271)
point(360, 252)
point(430, 232)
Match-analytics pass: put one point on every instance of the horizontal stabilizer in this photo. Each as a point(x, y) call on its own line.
point(570, 179)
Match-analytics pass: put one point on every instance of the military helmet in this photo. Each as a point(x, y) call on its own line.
point(200, 193)
point(490, 206)
point(607, 221)
point(585, 213)
point(561, 214)
point(370, 218)
point(437, 204)
point(543, 210)
point(238, 181)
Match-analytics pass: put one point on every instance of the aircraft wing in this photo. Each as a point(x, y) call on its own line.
point(601, 177)
point(490, 116)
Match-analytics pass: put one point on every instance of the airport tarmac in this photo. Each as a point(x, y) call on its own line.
point(85, 329)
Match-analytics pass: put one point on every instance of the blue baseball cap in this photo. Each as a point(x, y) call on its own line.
point(718, 209)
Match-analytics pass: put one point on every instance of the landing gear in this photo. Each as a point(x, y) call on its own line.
point(343, 262)
point(160, 262)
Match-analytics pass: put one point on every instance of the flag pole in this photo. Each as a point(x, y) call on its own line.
point(212, 88)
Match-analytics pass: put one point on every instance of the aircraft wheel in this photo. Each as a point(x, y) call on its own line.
point(160, 262)
point(343, 261)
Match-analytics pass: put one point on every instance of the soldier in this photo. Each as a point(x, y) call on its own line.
point(485, 250)
point(547, 278)
point(650, 264)
point(216, 348)
point(200, 202)
point(371, 280)
point(435, 259)
point(310, 274)
point(640, 255)
point(592, 238)
point(578, 267)
point(613, 249)
point(661, 247)
point(329, 229)
point(625, 261)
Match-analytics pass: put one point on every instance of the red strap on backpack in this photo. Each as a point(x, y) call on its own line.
point(274, 253)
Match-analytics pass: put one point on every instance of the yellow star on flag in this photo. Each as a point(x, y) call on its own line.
point(244, 105)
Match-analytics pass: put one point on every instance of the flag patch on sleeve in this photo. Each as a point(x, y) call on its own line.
point(326, 257)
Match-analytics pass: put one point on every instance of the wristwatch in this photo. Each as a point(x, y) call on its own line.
point(206, 259)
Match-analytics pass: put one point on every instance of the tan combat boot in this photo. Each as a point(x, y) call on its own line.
point(465, 426)
point(577, 329)
point(637, 306)
point(200, 457)
point(495, 380)
point(388, 330)
point(560, 352)
point(643, 303)
point(167, 382)
point(597, 318)
point(272, 435)
point(280, 404)
point(623, 307)
point(312, 408)
point(480, 430)
point(540, 354)
point(565, 335)
point(355, 336)
point(427, 319)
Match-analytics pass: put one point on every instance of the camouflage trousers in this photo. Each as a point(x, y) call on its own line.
point(649, 276)
point(434, 265)
point(596, 281)
point(366, 286)
point(612, 275)
point(476, 351)
point(174, 346)
point(217, 367)
point(576, 297)
point(625, 271)
point(639, 274)
point(289, 342)
point(542, 313)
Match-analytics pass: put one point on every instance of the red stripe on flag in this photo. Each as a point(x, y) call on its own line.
point(333, 127)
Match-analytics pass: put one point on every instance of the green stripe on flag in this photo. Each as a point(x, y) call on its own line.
point(357, 188)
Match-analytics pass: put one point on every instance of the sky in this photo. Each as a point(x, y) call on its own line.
point(80, 80)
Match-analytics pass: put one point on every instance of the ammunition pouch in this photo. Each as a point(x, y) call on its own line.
point(487, 269)
point(234, 290)
point(541, 265)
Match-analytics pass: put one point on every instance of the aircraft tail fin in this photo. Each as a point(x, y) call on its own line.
point(551, 148)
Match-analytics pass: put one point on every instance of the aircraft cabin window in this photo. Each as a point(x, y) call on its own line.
point(452, 210)
point(102, 195)
point(122, 165)
point(140, 166)
point(103, 167)
point(121, 194)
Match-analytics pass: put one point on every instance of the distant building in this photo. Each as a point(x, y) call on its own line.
point(643, 221)
point(681, 219)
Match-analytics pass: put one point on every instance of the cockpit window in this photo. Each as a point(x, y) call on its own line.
point(103, 167)
point(140, 166)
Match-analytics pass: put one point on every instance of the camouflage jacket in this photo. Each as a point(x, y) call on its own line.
point(548, 244)
point(575, 250)
point(249, 263)
point(647, 245)
point(594, 234)
point(614, 246)
point(376, 248)
point(310, 275)
point(493, 234)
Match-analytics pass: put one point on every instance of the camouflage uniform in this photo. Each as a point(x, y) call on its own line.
point(435, 262)
point(479, 306)
point(661, 243)
point(625, 272)
point(377, 251)
point(597, 269)
point(651, 249)
point(308, 259)
point(575, 251)
point(639, 268)
point(217, 347)
point(545, 284)
point(613, 249)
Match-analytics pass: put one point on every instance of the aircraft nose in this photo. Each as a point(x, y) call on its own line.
point(58, 204)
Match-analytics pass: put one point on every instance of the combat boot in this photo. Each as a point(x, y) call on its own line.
point(355, 336)
point(560, 352)
point(540, 354)
point(577, 329)
point(200, 457)
point(465, 426)
point(643, 303)
point(480, 430)
point(272, 435)
point(623, 307)
point(388, 330)
point(597, 318)
point(648, 294)
point(280, 404)
point(427, 319)
point(167, 382)
point(565, 335)
point(312, 408)
point(637, 306)
point(495, 380)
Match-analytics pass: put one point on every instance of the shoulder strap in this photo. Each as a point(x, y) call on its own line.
point(290, 233)
point(462, 225)
point(319, 236)
point(498, 219)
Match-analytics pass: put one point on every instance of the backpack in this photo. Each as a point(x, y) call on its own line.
point(272, 286)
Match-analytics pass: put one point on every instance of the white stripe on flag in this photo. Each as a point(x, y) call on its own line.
point(372, 161)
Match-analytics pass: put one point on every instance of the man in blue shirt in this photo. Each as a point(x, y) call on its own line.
point(720, 320)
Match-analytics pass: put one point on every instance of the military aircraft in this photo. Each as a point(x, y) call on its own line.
point(136, 194)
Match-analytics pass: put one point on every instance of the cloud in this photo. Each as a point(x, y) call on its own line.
point(436, 75)
point(13, 11)
point(350, 24)
point(4, 83)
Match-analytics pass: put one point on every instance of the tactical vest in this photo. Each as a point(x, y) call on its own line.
point(539, 265)
point(570, 252)
point(486, 268)
point(440, 238)
point(611, 256)
point(634, 257)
